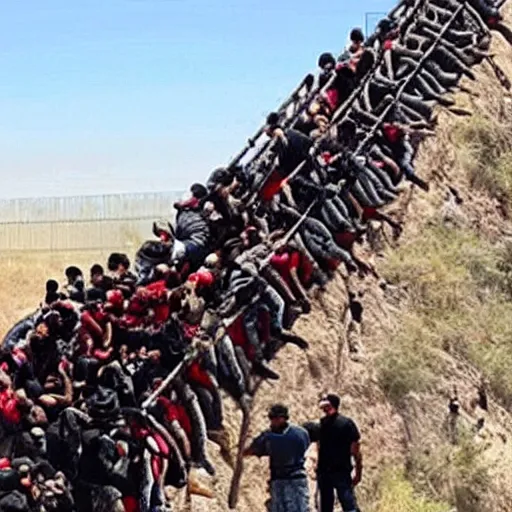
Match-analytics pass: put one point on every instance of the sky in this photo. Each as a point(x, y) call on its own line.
point(111, 96)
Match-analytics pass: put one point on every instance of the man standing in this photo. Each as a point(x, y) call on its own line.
point(338, 439)
point(286, 445)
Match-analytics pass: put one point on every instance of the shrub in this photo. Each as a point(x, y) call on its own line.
point(397, 494)
point(459, 288)
point(455, 474)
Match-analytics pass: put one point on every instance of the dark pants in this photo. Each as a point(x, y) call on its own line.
point(342, 484)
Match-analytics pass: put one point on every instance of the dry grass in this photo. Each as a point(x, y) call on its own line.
point(455, 474)
point(397, 494)
point(483, 145)
point(458, 289)
point(24, 277)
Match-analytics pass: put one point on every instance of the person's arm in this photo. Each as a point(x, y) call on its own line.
point(52, 400)
point(258, 447)
point(355, 450)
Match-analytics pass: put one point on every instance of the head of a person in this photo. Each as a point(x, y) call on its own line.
point(272, 123)
point(356, 38)
point(118, 263)
point(212, 261)
point(97, 274)
point(73, 274)
point(346, 131)
point(52, 294)
point(326, 62)
point(278, 416)
point(387, 29)
point(250, 237)
point(198, 191)
point(329, 404)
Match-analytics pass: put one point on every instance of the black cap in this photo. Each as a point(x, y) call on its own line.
point(330, 399)
point(278, 411)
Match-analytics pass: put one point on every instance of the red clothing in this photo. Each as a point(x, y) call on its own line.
point(176, 412)
point(333, 98)
point(284, 263)
point(202, 278)
point(189, 331)
point(238, 335)
point(388, 44)
point(136, 312)
point(272, 186)
point(158, 296)
point(392, 132)
point(345, 240)
point(131, 504)
point(196, 374)
point(369, 213)
point(9, 407)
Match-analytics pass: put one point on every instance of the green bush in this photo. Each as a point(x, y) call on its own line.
point(397, 494)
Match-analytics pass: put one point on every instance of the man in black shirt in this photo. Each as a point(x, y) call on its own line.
point(338, 439)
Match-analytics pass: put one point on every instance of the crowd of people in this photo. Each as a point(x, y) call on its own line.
point(86, 422)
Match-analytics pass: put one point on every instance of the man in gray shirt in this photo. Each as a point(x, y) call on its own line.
point(286, 445)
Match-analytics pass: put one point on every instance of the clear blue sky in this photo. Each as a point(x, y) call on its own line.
point(102, 96)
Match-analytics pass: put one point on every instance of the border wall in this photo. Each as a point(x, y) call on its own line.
point(82, 223)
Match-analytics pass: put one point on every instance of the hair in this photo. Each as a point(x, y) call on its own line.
point(97, 269)
point(347, 127)
point(73, 272)
point(273, 119)
point(325, 59)
point(116, 259)
point(52, 286)
point(278, 411)
point(356, 35)
point(333, 399)
point(198, 191)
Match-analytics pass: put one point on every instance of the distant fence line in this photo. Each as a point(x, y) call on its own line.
point(115, 221)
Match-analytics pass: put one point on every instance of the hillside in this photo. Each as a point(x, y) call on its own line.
point(439, 318)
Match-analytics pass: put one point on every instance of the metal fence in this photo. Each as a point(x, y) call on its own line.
point(117, 221)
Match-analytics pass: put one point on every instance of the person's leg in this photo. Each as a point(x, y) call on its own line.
point(277, 496)
point(250, 321)
point(326, 491)
point(226, 349)
point(346, 495)
point(276, 306)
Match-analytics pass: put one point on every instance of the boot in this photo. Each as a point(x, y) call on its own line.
point(444, 78)
point(198, 488)
point(419, 182)
point(222, 438)
point(287, 337)
point(261, 369)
